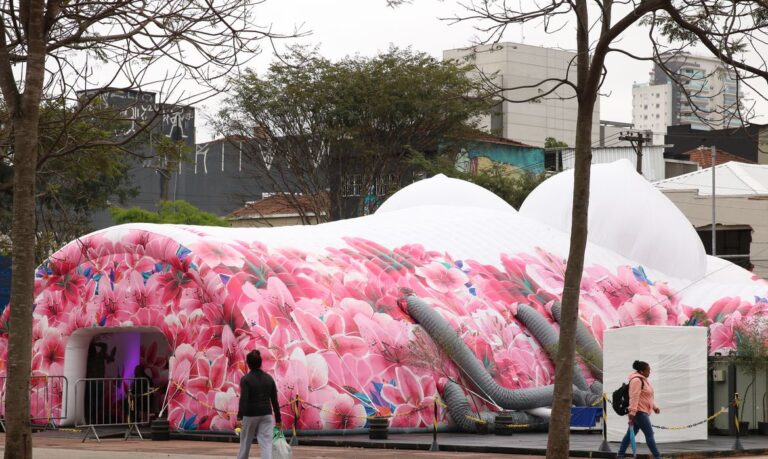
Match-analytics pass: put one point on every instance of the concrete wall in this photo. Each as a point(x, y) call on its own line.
point(609, 135)
point(762, 146)
point(674, 167)
point(517, 65)
point(730, 211)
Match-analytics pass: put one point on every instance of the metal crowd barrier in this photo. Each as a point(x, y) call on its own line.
point(47, 400)
point(112, 402)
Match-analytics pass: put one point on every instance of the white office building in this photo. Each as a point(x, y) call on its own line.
point(652, 109)
point(512, 65)
point(701, 92)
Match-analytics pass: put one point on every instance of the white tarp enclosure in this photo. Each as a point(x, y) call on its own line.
point(678, 360)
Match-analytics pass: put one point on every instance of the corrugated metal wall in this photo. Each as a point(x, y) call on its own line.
point(653, 158)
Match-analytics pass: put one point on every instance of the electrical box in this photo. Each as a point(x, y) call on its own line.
point(718, 375)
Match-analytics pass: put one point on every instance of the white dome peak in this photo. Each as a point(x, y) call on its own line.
point(444, 191)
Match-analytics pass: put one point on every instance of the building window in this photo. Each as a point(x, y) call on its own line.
point(351, 184)
point(386, 185)
point(732, 242)
point(657, 105)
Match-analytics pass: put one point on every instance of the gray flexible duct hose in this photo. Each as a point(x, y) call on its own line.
point(460, 411)
point(542, 330)
point(450, 342)
point(586, 345)
point(596, 387)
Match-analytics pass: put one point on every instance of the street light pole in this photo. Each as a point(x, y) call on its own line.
point(714, 238)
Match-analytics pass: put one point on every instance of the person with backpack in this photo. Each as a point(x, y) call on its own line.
point(641, 403)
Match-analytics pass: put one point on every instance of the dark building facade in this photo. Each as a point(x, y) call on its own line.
point(748, 142)
point(212, 176)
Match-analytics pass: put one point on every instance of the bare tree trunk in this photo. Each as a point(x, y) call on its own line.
point(558, 441)
point(26, 122)
point(18, 440)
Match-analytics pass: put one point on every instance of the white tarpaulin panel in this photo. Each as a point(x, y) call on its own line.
point(678, 360)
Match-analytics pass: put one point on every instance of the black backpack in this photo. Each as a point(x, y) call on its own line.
point(620, 401)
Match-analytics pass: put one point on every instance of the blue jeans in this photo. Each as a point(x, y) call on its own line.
point(642, 422)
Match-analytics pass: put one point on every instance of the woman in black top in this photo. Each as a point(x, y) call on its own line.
point(258, 402)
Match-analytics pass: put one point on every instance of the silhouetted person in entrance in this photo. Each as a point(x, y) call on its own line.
point(94, 390)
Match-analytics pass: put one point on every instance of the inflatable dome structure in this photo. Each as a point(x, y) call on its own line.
point(445, 292)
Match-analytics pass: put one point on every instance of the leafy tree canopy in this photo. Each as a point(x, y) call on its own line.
point(178, 212)
point(551, 142)
point(70, 187)
point(314, 122)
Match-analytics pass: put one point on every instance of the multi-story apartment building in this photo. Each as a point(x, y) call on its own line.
point(513, 65)
point(686, 89)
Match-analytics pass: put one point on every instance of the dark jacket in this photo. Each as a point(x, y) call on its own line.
point(257, 391)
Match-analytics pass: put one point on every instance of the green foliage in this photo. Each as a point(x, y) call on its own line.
point(752, 340)
point(176, 212)
point(551, 142)
point(511, 185)
point(78, 172)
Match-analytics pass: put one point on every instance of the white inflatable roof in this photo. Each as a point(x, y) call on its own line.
point(631, 224)
point(731, 179)
point(626, 215)
point(442, 190)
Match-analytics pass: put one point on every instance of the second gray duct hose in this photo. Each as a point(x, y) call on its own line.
point(586, 345)
point(450, 342)
point(542, 330)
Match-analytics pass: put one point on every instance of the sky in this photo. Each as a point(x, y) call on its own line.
point(365, 27)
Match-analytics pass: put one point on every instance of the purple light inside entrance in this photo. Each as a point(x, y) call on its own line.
point(132, 355)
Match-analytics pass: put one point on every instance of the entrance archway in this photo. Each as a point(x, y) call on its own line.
point(117, 352)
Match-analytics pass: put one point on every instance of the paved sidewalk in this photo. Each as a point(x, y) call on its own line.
point(301, 452)
point(72, 448)
point(62, 445)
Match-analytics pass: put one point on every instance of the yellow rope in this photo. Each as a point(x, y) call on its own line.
point(511, 426)
point(722, 410)
point(149, 392)
point(295, 405)
point(478, 420)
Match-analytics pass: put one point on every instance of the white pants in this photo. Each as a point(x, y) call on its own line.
point(261, 426)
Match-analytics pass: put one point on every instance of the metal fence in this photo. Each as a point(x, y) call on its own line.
point(47, 400)
point(112, 402)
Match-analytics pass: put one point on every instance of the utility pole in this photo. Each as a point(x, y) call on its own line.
point(714, 237)
point(636, 138)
